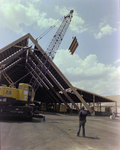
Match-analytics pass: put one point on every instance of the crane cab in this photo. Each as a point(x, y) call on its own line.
point(24, 95)
point(8, 92)
point(26, 92)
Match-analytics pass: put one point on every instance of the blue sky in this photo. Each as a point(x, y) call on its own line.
point(95, 65)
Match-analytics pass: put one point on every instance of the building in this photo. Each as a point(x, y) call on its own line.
point(25, 61)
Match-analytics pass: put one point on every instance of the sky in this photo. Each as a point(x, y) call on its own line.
point(95, 65)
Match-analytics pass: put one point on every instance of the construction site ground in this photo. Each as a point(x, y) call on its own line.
point(58, 132)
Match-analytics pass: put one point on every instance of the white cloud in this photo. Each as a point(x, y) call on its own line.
point(89, 74)
point(117, 62)
point(44, 22)
point(105, 30)
point(62, 10)
point(118, 23)
point(77, 24)
point(13, 13)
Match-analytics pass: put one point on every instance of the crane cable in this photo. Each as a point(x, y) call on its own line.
point(47, 31)
point(40, 37)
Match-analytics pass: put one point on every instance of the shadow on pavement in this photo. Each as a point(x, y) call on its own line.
point(96, 138)
point(21, 120)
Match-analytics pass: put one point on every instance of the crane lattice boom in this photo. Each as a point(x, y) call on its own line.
point(51, 50)
point(58, 37)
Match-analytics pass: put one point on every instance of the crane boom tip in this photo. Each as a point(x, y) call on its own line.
point(71, 11)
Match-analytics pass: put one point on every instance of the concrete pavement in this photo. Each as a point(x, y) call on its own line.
point(59, 133)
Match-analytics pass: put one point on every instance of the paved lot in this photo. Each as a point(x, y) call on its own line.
point(59, 133)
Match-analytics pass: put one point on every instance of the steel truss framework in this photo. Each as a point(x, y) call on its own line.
point(22, 62)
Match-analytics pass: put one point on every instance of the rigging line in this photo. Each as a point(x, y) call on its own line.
point(43, 34)
point(49, 29)
point(40, 37)
point(23, 77)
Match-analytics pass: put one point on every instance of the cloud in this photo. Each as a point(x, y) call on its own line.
point(118, 23)
point(44, 22)
point(88, 73)
point(117, 62)
point(77, 24)
point(106, 30)
point(14, 13)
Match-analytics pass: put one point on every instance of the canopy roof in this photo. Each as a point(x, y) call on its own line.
point(22, 61)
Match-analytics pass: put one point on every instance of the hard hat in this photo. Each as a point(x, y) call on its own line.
point(82, 106)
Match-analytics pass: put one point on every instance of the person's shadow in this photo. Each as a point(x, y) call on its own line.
point(96, 138)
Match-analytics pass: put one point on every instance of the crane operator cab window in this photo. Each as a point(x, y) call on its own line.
point(29, 93)
point(26, 92)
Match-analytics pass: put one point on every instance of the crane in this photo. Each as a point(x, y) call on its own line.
point(53, 46)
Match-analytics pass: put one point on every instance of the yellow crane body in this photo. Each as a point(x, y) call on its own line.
point(24, 92)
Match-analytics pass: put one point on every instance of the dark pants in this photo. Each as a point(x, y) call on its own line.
point(81, 123)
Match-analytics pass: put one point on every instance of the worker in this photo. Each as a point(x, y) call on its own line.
point(82, 120)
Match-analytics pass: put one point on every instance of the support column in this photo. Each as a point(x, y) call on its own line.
point(80, 105)
point(115, 108)
point(100, 106)
point(1, 68)
point(0, 74)
point(94, 102)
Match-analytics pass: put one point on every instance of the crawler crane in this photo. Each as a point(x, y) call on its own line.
point(19, 101)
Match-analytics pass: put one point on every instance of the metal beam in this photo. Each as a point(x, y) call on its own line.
point(14, 43)
point(41, 81)
point(35, 66)
point(13, 64)
point(64, 78)
point(61, 89)
point(69, 98)
point(11, 57)
point(49, 81)
point(71, 87)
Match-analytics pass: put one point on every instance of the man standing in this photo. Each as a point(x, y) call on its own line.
point(82, 120)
